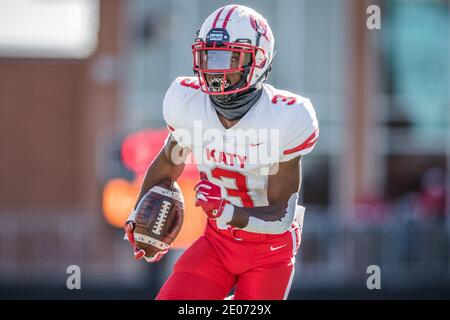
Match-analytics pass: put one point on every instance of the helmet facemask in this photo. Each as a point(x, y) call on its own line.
point(224, 69)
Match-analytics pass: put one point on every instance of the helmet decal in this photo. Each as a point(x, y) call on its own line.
point(260, 25)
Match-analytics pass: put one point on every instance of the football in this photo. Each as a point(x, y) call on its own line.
point(159, 217)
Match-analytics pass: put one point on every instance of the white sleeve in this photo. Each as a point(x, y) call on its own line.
point(172, 111)
point(301, 132)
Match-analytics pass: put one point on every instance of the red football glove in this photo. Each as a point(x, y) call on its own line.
point(209, 197)
point(140, 253)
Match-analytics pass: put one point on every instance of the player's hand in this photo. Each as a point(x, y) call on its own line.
point(209, 197)
point(140, 253)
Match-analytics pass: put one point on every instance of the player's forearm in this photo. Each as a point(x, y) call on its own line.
point(242, 215)
point(272, 219)
point(282, 196)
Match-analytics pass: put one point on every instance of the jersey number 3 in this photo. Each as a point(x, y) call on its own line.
point(241, 190)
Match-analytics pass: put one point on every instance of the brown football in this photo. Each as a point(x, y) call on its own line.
point(159, 217)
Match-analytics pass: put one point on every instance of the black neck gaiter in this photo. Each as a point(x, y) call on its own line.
point(237, 107)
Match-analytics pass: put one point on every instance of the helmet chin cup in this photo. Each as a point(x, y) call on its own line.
point(215, 84)
point(231, 92)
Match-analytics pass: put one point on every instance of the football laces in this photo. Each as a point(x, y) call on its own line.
point(157, 228)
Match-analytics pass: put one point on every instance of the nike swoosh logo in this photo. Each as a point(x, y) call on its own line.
point(255, 144)
point(276, 248)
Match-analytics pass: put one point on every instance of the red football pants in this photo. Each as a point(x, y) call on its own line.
point(259, 266)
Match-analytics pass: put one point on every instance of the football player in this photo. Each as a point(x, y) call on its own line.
point(254, 219)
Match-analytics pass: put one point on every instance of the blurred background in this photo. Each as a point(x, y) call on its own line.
point(81, 90)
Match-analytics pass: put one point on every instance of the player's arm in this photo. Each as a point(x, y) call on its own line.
point(281, 187)
point(277, 217)
point(168, 165)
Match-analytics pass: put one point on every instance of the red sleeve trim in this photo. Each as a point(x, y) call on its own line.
point(170, 128)
point(308, 143)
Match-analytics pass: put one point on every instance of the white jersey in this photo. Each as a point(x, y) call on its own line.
point(279, 127)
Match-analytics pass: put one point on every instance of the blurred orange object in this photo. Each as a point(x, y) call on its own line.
point(119, 197)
